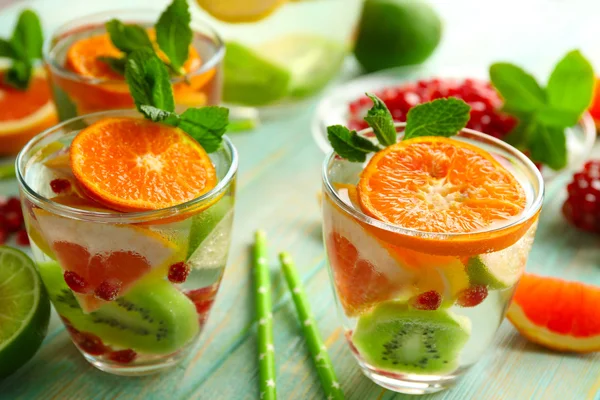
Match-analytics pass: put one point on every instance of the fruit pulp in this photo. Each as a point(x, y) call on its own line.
point(288, 56)
point(76, 95)
point(133, 297)
point(414, 314)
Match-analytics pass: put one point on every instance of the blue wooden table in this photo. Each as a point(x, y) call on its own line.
point(279, 180)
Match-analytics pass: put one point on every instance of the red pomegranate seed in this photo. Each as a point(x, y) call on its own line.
point(427, 301)
point(3, 235)
point(60, 185)
point(582, 207)
point(75, 282)
point(108, 290)
point(22, 238)
point(178, 272)
point(89, 343)
point(13, 204)
point(472, 296)
point(13, 221)
point(122, 356)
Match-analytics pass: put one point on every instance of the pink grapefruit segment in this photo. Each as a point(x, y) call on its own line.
point(558, 314)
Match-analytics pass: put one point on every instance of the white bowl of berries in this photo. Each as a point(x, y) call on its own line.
point(400, 89)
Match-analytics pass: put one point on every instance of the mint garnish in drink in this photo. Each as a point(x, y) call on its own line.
point(545, 113)
point(150, 87)
point(442, 117)
point(173, 36)
point(23, 48)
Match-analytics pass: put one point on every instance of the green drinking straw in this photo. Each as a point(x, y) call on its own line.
point(318, 350)
point(262, 284)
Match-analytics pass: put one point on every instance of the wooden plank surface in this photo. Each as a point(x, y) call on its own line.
point(278, 182)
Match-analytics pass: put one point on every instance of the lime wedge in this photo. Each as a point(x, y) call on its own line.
point(24, 310)
point(250, 79)
point(312, 60)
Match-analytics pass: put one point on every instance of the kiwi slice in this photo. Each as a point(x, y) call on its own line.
point(153, 318)
point(395, 338)
point(498, 270)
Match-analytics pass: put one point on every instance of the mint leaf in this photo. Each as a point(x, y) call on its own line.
point(19, 74)
point(27, 38)
point(173, 33)
point(548, 145)
point(7, 50)
point(520, 90)
point(571, 84)
point(347, 144)
point(557, 117)
point(128, 38)
point(380, 120)
point(148, 80)
point(156, 114)
point(206, 125)
point(441, 117)
point(116, 64)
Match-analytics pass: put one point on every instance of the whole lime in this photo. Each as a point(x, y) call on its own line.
point(393, 33)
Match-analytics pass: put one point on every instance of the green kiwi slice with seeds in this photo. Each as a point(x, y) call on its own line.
point(395, 338)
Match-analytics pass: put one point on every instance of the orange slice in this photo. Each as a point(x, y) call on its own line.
point(238, 11)
point(557, 314)
point(441, 185)
point(24, 114)
point(131, 164)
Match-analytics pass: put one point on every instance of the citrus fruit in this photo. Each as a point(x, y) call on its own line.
point(252, 79)
point(443, 186)
point(24, 310)
point(133, 164)
point(236, 11)
point(24, 113)
point(94, 256)
point(393, 33)
point(363, 270)
point(557, 314)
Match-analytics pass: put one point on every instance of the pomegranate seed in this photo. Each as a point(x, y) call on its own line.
point(12, 221)
point(13, 204)
point(89, 343)
point(472, 296)
point(22, 238)
point(75, 282)
point(60, 185)
point(427, 301)
point(582, 207)
point(178, 272)
point(3, 235)
point(122, 356)
point(108, 290)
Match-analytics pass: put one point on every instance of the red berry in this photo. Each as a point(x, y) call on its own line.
point(3, 235)
point(89, 343)
point(22, 238)
point(582, 207)
point(108, 290)
point(122, 356)
point(472, 296)
point(13, 221)
point(75, 282)
point(60, 185)
point(178, 272)
point(13, 204)
point(427, 301)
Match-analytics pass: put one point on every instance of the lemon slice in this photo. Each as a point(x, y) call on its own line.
point(239, 11)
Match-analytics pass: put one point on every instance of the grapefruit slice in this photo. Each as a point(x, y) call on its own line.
point(98, 253)
point(24, 114)
point(363, 270)
point(440, 185)
point(557, 314)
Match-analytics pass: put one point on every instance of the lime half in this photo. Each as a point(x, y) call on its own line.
point(24, 310)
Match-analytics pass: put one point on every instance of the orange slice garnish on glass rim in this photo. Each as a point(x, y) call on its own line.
point(131, 164)
point(449, 193)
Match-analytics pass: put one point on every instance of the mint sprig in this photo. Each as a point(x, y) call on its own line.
point(544, 114)
point(24, 47)
point(173, 36)
point(442, 117)
point(150, 87)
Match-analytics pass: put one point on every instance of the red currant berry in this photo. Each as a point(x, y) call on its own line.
point(472, 296)
point(60, 185)
point(89, 343)
point(75, 282)
point(13, 221)
point(22, 238)
point(178, 272)
point(108, 290)
point(3, 235)
point(122, 356)
point(582, 207)
point(13, 204)
point(427, 301)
